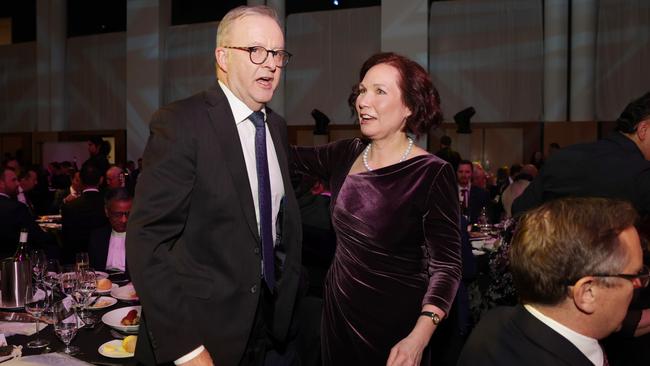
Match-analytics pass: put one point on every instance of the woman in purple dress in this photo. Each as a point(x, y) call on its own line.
point(396, 215)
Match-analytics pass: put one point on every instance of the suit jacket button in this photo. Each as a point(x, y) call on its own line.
point(256, 251)
point(253, 289)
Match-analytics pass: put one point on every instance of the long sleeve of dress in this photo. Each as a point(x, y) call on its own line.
point(442, 237)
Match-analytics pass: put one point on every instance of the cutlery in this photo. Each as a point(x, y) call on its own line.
point(117, 334)
point(93, 302)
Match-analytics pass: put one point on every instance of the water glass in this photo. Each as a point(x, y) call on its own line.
point(86, 286)
point(66, 324)
point(35, 304)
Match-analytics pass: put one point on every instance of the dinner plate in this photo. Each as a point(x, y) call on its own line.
point(125, 293)
point(102, 303)
point(117, 353)
point(105, 292)
point(114, 319)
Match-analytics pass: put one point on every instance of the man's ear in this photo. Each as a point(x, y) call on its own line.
point(642, 130)
point(585, 293)
point(220, 57)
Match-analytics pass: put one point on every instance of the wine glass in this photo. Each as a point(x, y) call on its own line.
point(66, 325)
point(51, 279)
point(68, 281)
point(39, 264)
point(35, 305)
point(82, 261)
point(86, 286)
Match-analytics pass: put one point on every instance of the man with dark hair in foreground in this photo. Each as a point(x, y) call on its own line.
point(575, 266)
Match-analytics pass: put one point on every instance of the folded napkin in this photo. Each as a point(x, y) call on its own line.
point(26, 329)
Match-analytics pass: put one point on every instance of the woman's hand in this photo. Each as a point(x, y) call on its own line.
point(408, 351)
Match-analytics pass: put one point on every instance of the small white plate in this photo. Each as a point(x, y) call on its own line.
point(101, 275)
point(105, 292)
point(125, 293)
point(103, 302)
point(118, 353)
point(114, 319)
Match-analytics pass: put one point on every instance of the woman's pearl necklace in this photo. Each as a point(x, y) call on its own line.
point(364, 156)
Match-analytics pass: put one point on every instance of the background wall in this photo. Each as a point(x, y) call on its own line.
point(483, 53)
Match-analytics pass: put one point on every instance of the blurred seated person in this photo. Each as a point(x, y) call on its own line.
point(575, 263)
point(114, 177)
point(514, 190)
point(15, 216)
point(62, 176)
point(27, 181)
point(106, 250)
point(472, 198)
point(84, 214)
point(117, 177)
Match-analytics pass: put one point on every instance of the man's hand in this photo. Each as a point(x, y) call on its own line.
point(203, 359)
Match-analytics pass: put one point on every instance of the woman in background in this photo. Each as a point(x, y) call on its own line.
point(396, 215)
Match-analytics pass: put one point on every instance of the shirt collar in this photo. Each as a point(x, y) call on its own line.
point(467, 188)
point(240, 110)
point(587, 345)
point(4, 195)
point(90, 190)
point(115, 234)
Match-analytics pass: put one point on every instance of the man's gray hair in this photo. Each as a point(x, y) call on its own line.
point(239, 12)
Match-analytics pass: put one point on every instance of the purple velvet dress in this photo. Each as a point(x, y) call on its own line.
point(398, 247)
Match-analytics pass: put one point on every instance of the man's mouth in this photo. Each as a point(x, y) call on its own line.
point(265, 82)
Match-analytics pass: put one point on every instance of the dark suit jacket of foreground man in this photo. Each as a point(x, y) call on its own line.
point(192, 239)
point(519, 339)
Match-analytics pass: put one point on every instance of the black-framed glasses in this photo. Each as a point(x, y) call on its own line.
point(119, 214)
point(259, 54)
point(639, 280)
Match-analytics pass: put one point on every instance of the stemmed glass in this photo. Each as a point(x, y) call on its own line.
point(51, 279)
point(81, 261)
point(86, 286)
point(38, 260)
point(68, 280)
point(66, 325)
point(35, 305)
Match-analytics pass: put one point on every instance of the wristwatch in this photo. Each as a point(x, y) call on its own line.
point(435, 318)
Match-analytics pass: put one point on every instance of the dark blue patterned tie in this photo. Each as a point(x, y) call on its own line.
point(264, 191)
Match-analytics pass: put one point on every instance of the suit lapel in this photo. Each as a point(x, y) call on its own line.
point(549, 340)
point(225, 129)
point(280, 151)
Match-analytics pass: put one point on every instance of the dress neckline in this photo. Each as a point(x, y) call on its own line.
point(388, 168)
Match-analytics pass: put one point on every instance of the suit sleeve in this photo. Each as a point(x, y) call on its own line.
point(160, 210)
point(442, 237)
point(532, 197)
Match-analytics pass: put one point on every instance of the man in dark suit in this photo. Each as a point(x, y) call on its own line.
point(107, 249)
point(15, 216)
point(575, 266)
point(214, 236)
point(472, 198)
point(84, 214)
point(614, 167)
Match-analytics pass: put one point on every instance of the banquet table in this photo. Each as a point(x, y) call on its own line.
point(87, 339)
